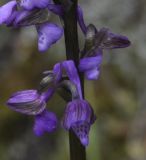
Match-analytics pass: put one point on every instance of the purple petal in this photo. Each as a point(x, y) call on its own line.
point(73, 74)
point(91, 66)
point(92, 74)
point(81, 129)
point(57, 71)
point(24, 96)
point(80, 19)
point(45, 122)
point(27, 102)
point(76, 111)
point(30, 4)
point(48, 34)
point(6, 11)
point(56, 9)
point(90, 63)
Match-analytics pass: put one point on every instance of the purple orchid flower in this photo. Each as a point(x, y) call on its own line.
point(78, 114)
point(31, 13)
point(34, 13)
point(33, 102)
point(30, 102)
point(92, 59)
point(96, 41)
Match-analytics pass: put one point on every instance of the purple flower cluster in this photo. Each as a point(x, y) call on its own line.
point(79, 115)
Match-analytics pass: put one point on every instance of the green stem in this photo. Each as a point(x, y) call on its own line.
point(77, 150)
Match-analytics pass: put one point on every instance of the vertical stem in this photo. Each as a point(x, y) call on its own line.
point(71, 35)
point(77, 150)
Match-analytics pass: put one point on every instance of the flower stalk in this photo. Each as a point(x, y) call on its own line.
point(77, 150)
point(66, 75)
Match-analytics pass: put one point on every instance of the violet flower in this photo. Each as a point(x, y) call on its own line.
point(105, 39)
point(78, 114)
point(95, 42)
point(31, 13)
point(33, 102)
point(30, 102)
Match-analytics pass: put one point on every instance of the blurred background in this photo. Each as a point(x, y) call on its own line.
point(118, 97)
